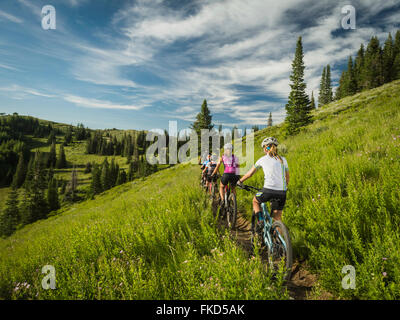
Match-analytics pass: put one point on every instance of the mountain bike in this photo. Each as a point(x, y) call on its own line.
point(213, 187)
point(272, 235)
point(229, 209)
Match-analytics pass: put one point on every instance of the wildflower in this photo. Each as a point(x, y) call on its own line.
point(201, 284)
point(121, 284)
point(384, 274)
point(121, 252)
point(221, 254)
point(179, 271)
point(114, 259)
point(186, 261)
point(384, 258)
point(211, 278)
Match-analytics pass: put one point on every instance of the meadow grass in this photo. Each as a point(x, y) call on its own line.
point(343, 205)
point(150, 239)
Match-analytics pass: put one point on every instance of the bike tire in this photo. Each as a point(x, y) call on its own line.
point(284, 232)
point(232, 211)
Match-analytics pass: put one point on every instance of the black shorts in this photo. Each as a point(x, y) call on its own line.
point(276, 197)
point(211, 179)
point(231, 178)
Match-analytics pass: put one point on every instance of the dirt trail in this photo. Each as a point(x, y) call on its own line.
point(301, 282)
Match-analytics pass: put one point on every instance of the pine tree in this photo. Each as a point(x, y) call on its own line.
point(61, 161)
point(388, 60)
point(10, 218)
point(105, 175)
point(351, 83)
point(298, 107)
point(396, 54)
point(68, 135)
point(203, 119)
point(52, 195)
point(72, 185)
point(313, 106)
point(328, 86)
point(322, 89)
point(20, 173)
point(96, 186)
point(359, 67)
point(52, 159)
point(372, 72)
point(35, 205)
point(121, 177)
point(269, 124)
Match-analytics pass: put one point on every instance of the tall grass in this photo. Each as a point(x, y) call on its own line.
point(343, 204)
point(151, 239)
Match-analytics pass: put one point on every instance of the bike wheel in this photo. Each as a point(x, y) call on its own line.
point(256, 234)
point(281, 249)
point(232, 211)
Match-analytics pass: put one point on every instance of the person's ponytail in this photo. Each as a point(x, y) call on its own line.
point(273, 152)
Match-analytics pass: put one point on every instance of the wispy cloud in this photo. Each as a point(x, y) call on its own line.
point(101, 104)
point(9, 17)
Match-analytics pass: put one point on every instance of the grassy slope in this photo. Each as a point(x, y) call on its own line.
point(342, 208)
point(151, 239)
point(344, 198)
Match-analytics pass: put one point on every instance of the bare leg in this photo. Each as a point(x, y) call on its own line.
point(277, 215)
point(221, 190)
point(256, 206)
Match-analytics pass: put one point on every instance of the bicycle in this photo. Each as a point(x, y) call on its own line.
point(274, 235)
point(229, 208)
point(213, 187)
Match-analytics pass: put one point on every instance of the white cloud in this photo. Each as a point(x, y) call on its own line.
point(10, 17)
point(100, 104)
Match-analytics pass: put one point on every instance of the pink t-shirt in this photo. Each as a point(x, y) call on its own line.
point(231, 164)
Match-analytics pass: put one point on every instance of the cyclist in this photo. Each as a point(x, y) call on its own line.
point(204, 164)
point(276, 179)
point(209, 169)
point(231, 170)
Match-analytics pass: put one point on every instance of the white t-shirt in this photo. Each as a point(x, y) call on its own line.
point(274, 172)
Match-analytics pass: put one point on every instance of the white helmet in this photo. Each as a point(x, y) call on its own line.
point(228, 146)
point(268, 141)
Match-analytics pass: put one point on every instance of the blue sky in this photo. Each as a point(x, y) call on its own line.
point(139, 64)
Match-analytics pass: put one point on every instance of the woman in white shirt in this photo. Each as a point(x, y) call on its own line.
point(276, 179)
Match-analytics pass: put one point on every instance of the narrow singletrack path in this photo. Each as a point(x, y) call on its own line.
point(302, 281)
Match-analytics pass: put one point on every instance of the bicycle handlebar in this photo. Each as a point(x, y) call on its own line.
point(248, 188)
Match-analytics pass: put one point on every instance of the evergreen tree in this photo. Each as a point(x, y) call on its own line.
point(203, 119)
point(10, 218)
point(52, 159)
point(313, 106)
point(88, 167)
point(351, 82)
point(388, 60)
point(121, 177)
point(359, 67)
point(51, 138)
point(105, 175)
point(52, 195)
point(72, 186)
point(20, 173)
point(68, 135)
point(328, 85)
point(61, 161)
point(35, 205)
point(269, 122)
point(96, 186)
point(396, 54)
point(372, 71)
point(322, 89)
point(298, 107)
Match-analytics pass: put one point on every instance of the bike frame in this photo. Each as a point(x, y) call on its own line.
point(267, 228)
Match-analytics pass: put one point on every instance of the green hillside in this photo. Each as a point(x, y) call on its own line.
point(157, 238)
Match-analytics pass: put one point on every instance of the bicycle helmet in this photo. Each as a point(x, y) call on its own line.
point(268, 141)
point(228, 146)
